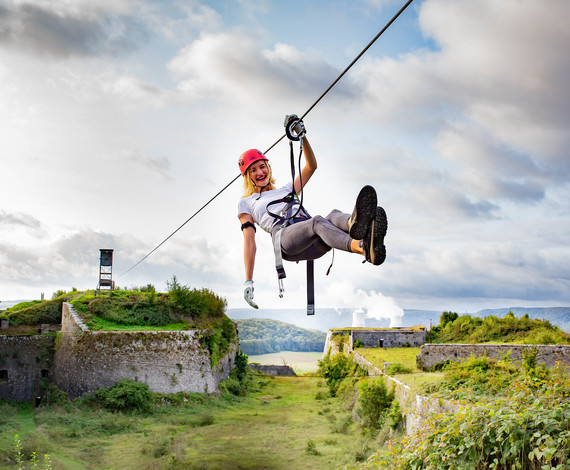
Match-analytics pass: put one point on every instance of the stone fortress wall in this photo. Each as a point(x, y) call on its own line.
point(81, 361)
point(547, 354)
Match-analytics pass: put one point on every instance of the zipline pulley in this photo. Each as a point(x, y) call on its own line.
point(290, 123)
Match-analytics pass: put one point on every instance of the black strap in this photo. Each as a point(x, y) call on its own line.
point(291, 199)
point(248, 224)
point(310, 287)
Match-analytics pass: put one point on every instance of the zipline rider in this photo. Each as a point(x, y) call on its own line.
point(296, 235)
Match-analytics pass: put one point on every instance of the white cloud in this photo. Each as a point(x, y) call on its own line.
point(113, 131)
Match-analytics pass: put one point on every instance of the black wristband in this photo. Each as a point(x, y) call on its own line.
point(248, 224)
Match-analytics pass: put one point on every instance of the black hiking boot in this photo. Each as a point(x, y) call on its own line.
point(363, 213)
point(373, 243)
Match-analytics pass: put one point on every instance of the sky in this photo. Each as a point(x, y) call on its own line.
point(119, 119)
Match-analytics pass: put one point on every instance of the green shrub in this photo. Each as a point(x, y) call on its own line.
point(528, 429)
point(334, 370)
point(311, 448)
point(394, 418)
point(374, 400)
point(467, 329)
point(35, 313)
point(397, 368)
point(126, 395)
point(477, 375)
point(218, 337)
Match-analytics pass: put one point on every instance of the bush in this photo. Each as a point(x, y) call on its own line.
point(397, 368)
point(334, 370)
point(126, 395)
point(374, 400)
point(194, 303)
point(467, 329)
point(35, 312)
point(477, 375)
point(528, 429)
point(218, 337)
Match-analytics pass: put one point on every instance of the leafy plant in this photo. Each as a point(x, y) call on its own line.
point(374, 400)
point(453, 328)
point(334, 370)
point(397, 368)
point(126, 395)
point(529, 429)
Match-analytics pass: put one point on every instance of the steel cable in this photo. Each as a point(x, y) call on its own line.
point(284, 135)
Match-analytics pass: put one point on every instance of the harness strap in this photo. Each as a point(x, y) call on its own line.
point(310, 287)
point(279, 260)
point(286, 217)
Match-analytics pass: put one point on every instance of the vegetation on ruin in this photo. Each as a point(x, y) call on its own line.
point(139, 308)
point(453, 328)
point(527, 427)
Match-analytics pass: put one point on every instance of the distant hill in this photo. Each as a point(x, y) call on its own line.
point(264, 336)
point(327, 318)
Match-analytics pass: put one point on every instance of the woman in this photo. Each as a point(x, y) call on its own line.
point(302, 237)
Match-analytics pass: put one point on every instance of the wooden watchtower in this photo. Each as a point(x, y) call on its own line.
point(105, 270)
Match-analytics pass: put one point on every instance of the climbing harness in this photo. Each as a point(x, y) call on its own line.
point(406, 5)
point(292, 212)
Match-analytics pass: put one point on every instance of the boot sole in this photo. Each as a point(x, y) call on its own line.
point(364, 212)
point(379, 229)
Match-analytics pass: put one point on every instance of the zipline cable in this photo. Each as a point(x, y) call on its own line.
point(394, 18)
point(188, 220)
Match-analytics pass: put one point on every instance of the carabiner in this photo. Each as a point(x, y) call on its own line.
point(291, 120)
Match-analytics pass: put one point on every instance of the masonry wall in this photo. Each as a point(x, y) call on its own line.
point(167, 361)
point(275, 370)
point(389, 338)
point(416, 408)
point(432, 354)
point(25, 361)
point(374, 338)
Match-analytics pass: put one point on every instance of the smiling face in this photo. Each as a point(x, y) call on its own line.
point(260, 173)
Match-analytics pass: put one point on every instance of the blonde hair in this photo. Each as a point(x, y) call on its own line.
point(249, 186)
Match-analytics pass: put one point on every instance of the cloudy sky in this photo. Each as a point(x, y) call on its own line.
point(120, 118)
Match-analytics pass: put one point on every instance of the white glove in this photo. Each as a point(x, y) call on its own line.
point(300, 128)
point(248, 293)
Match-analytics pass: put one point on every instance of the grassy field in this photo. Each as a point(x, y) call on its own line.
point(286, 424)
point(301, 362)
point(378, 356)
point(404, 356)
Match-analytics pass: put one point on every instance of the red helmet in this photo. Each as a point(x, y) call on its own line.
point(248, 157)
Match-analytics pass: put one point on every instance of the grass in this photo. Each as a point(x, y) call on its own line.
point(378, 356)
point(417, 380)
point(272, 428)
point(100, 324)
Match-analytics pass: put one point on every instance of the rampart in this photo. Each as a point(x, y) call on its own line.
point(168, 361)
point(432, 354)
point(275, 370)
point(375, 337)
point(25, 363)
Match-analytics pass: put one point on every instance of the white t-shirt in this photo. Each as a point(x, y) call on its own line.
point(256, 206)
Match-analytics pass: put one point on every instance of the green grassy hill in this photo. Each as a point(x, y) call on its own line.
point(453, 328)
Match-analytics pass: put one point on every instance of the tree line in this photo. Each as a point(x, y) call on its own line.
point(264, 336)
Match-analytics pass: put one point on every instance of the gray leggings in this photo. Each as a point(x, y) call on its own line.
point(312, 238)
